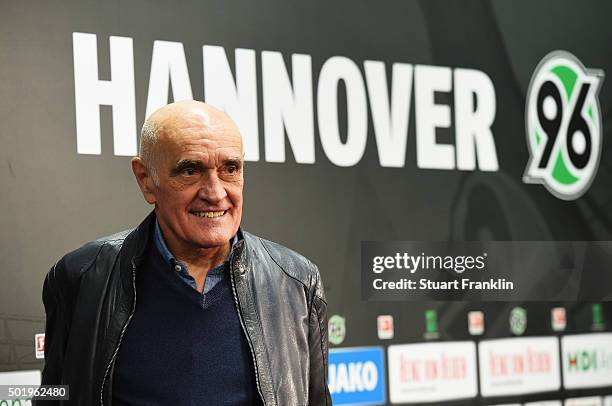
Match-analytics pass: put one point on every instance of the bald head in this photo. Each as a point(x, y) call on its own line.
point(168, 121)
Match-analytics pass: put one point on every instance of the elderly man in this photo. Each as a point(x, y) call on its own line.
point(187, 309)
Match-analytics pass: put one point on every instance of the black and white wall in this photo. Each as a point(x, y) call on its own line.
point(362, 121)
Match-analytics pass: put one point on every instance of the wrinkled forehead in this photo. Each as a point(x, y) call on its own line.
point(200, 133)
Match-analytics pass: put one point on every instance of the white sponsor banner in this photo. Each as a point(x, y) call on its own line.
point(515, 366)
point(509, 404)
point(588, 401)
point(16, 402)
point(587, 360)
point(29, 377)
point(430, 372)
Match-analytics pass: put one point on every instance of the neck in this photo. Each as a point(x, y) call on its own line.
point(199, 260)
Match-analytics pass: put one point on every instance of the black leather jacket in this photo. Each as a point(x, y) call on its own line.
point(90, 297)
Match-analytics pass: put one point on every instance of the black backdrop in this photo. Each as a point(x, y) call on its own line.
point(54, 199)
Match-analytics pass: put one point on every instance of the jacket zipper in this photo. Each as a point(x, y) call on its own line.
point(127, 322)
point(125, 326)
point(246, 333)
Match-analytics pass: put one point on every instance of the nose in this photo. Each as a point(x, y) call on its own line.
point(211, 188)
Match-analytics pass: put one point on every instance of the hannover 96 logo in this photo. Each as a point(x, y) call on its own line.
point(563, 125)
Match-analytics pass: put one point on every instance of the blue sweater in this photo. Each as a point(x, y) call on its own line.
point(180, 350)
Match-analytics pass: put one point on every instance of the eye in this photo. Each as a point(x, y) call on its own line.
point(189, 171)
point(231, 169)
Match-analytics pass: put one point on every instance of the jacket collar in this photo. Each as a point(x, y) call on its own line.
point(135, 244)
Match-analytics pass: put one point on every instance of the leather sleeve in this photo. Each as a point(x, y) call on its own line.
point(318, 391)
point(56, 332)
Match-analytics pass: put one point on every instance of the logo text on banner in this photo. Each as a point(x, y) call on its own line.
point(587, 360)
point(516, 366)
point(357, 376)
point(428, 372)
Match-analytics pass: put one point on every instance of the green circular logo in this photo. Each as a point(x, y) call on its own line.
point(518, 321)
point(563, 124)
point(336, 329)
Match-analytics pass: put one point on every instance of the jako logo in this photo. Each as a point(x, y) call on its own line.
point(357, 376)
point(563, 123)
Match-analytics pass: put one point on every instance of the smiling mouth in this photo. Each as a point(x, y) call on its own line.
point(208, 214)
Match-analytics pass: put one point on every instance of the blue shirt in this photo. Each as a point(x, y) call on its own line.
point(213, 277)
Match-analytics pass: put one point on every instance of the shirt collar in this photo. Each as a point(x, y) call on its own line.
point(161, 246)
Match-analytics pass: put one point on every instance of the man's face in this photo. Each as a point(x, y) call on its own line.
point(199, 164)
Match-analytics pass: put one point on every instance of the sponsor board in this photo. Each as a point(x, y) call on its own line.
point(518, 321)
point(39, 345)
point(357, 376)
point(587, 401)
point(558, 318)
point(16, 402)
point(431, 372)
point(337, 329)
point(29, 377)
point(508, 404)
point(515, 366)
point(431, 325)
point(384, 325)
point(597, 317)
point(587, 360)
point(476, 322)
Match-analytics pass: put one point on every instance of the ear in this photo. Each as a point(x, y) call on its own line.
point(144, 179)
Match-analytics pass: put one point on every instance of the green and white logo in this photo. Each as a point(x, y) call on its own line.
point(518, 321)
point(337, 329)
point(563, 122)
